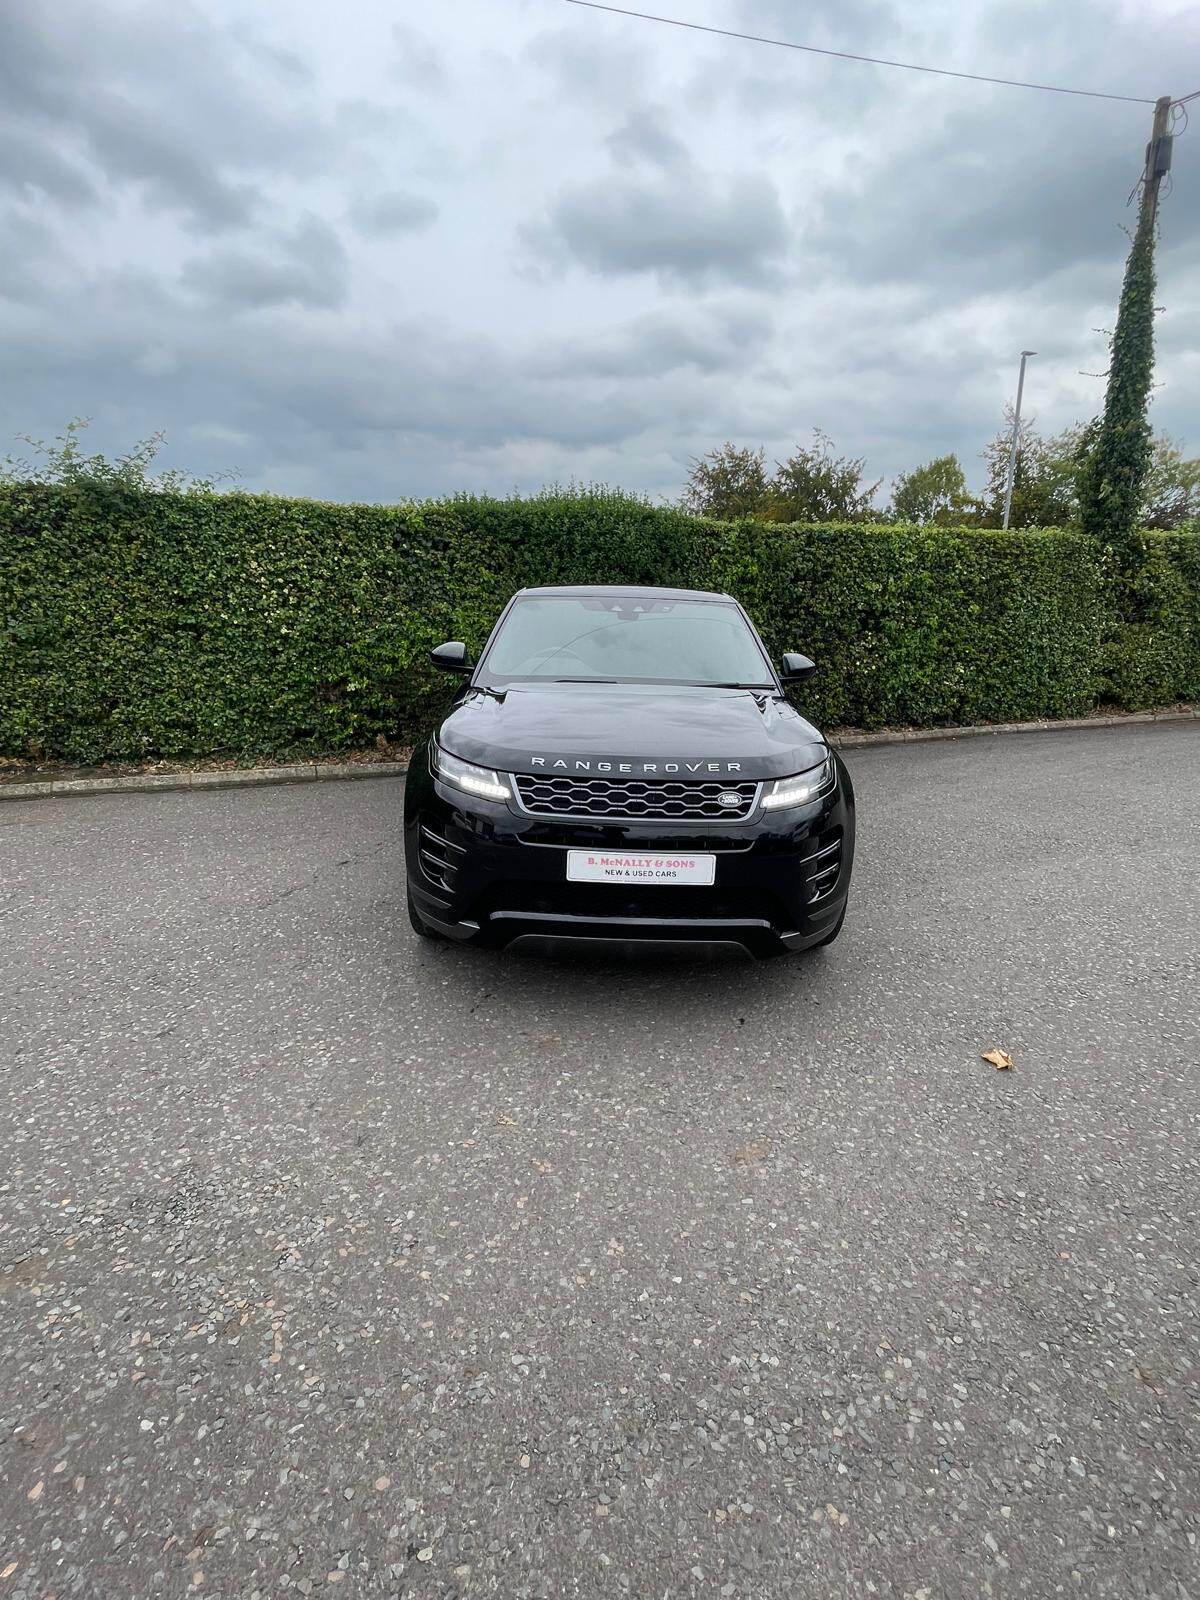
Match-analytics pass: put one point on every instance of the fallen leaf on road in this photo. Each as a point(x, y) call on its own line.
point(756, 1150)
point(999, 1059)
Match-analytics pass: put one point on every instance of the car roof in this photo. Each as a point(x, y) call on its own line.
point(633, 591)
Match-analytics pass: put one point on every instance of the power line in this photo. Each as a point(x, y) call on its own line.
point(875, 61)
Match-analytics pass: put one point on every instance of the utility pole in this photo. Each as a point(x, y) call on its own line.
point(1158, 161)
point(1016, 429)
point(1114, 475)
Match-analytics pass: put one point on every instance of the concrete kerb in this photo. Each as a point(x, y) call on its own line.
point(1136, 719)
point(233, 778)
point(142, 783)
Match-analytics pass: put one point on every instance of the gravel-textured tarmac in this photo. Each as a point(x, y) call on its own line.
point(333, 1261)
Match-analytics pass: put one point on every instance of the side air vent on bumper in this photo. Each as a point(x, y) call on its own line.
point(823, 868)
point(439, 858)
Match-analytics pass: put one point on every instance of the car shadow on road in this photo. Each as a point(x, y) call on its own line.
point(628, 990)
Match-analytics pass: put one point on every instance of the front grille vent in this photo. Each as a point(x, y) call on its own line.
point(632, 799)
point(821, 869)
point(439, 858)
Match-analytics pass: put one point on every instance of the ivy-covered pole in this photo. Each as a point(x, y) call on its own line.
point(1118, 460)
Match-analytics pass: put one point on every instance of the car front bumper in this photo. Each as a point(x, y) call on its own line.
point(485, 872)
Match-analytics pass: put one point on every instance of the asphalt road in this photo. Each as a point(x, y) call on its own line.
point(330, 1261)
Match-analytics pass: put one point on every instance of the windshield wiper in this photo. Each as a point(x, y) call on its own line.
point(583, 680)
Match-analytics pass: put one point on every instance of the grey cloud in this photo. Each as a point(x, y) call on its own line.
point(45, 80)
point(173, 176)
point(28, 165)
point(729, 230)
point(411, 409)
point(381, 215)
point(306, 267)
point(712, 339)
point(454, 392)
point(762, 82)
point(284, 64)
point(644, 136)
point(418, 62)
point(385, 143)
point(1092, 46)
point(26, 259)
point(988, 200)
point(603, 64)
point(996, 189)
point(338, 389)
point(855, 24)
point(164, 101)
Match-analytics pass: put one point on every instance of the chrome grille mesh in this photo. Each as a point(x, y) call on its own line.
point(635, 798)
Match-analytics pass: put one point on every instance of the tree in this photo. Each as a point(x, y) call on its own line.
point(1119, 454)
point(815, 485)
point(1048, 485)
point(1171, 493)
point(726, 483)
point(1045, 483)
point(936, 492)
point(64, 462)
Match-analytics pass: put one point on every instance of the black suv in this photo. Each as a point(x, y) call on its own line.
point(622, 764)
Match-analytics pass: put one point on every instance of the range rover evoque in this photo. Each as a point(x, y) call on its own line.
point(623, 764)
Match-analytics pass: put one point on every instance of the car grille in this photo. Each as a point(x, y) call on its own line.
point(632, 799)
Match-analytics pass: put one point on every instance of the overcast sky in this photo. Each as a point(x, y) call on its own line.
point(385, 248)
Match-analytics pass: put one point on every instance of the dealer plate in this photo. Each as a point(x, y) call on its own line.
point(640, 866)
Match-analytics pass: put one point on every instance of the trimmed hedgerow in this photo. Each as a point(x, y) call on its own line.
point(136, 624)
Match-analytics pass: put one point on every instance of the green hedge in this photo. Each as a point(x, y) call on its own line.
point(137, 624)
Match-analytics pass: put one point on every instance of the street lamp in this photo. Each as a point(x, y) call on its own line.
point(1012, 448)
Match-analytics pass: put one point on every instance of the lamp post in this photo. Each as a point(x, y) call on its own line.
point(1012, 448)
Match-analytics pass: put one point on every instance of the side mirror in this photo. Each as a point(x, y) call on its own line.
point(796, 667)
point(451, 657)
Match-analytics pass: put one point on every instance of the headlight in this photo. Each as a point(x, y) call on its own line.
point(799, 790)
point(464, 775)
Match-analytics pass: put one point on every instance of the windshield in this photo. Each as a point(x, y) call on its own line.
point(624, 639)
